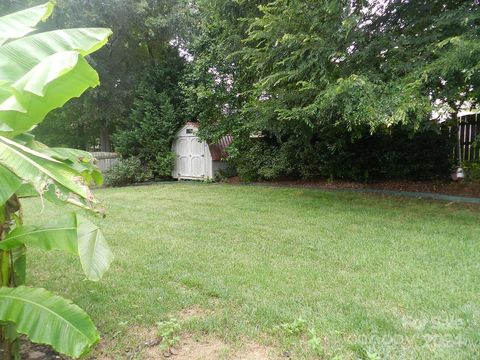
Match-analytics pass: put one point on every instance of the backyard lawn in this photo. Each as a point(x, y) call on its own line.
point(296, 273)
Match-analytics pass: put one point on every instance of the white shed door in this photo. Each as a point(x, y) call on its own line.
point(190, 157)
point(197, 158)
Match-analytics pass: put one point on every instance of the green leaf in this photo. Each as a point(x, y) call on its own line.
point(26, 190)
point(82, 161)
point(45, 173)
point(19, 259)
point(71, 233)
point(10, 184)
point(21, 23)
point(49, 85)
point(60, 234)
point(49, 319)
point(95, 255)
point(18, 57)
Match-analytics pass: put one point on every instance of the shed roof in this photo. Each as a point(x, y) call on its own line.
point(219, 150)
point(192, 123)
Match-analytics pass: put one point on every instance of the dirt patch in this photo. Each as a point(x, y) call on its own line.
point(31, 351)
point(191, 348)
point(192, 313)
point(136, 339)
point(144, 344)
point(255, 352)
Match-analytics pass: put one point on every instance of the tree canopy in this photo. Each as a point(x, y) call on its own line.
point(312, 75)
point(308, 77)
point(142, 36)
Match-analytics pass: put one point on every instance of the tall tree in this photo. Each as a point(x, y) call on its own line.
point(429, 45)
point(218, 79)
point(156, 115)
point(324, 73)
point(144, 31)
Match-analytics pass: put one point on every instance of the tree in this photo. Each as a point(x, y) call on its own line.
point(33, 83)
point(323, 74)
point(156, 116)
point(360, 64)
point(143, 32)
point(217, 81)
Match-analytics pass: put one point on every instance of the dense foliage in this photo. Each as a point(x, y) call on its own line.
point(142, 36)
point(398, 154)
point(310, 79)
point(317, 79)
point(127, 171)
point(156, 116)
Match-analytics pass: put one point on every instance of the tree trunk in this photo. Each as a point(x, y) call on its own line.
point(9, 346)
point(105, 144)
point(4, 275)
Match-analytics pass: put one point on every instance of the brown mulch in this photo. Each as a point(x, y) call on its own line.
point(469, 189)
point(31, 351)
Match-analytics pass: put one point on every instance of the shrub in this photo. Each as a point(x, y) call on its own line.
point(154, 120)
point(396, 154)
point(163, 164)
point(127, 171)
point(223, 174)
point(472, 170)
point(261, 160)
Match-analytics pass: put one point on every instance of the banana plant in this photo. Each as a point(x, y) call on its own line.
point(39, 72)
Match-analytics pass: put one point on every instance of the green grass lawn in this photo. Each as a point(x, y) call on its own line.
point(375, 277)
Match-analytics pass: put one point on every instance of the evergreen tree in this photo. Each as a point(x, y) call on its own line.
point(149, 130)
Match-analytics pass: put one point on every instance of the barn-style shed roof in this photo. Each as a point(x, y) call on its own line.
point(219, 150)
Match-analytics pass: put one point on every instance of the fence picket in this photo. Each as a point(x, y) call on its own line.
point(469, 129)
point(105, 160)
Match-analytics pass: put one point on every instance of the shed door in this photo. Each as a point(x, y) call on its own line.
point(197, 158)
point(190, 157)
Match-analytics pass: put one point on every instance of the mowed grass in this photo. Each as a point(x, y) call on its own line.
point(375, 277)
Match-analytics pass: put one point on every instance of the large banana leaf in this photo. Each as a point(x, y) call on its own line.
point(82, 161)
point(60, 234)
point(49, 85)
point(49, 177)
point(19, 261)
point(10, 184)
point(5, 93)
point(49, 319)
point(39, 73)
point(21, 23)
point(20, 56)
point(71, 233)
point(95, 255)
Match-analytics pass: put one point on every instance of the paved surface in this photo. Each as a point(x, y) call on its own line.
point(420, 195)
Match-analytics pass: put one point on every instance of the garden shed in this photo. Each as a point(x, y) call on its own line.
point(197, 160)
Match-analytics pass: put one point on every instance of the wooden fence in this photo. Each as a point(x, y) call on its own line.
point(469, 134)
point(105, 160)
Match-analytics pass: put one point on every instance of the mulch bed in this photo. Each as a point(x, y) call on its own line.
point(31, 351)
point(469, 189)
